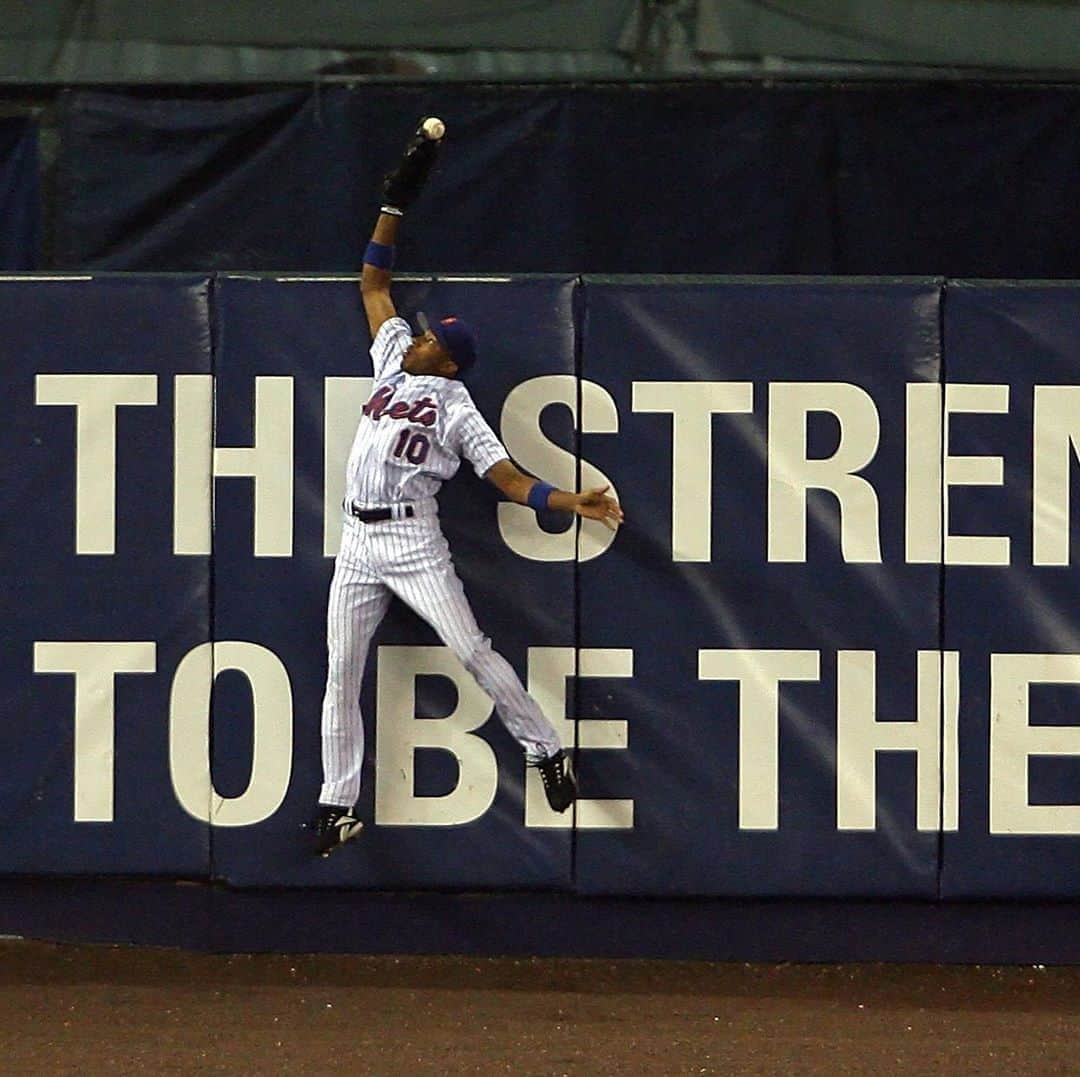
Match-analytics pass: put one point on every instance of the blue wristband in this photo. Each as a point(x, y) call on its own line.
point(538, 496)
point(380, 255)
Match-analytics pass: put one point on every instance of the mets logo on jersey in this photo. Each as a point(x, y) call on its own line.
point(423, 411)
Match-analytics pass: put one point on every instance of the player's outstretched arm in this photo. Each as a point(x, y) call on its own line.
point(400, 189)
point(375, 277)
point(525, 490)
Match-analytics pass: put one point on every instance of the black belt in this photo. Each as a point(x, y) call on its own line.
point(373, 516)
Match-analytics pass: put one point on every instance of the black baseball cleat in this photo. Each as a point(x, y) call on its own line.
point(333, 827)
point(558, 778)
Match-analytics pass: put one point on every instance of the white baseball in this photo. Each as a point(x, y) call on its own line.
point(433, 128)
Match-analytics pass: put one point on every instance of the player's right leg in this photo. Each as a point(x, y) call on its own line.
point(356, 605)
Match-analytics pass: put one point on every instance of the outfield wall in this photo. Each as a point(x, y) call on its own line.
point(833, 654)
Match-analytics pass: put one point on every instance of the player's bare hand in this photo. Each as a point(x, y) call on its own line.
point(596, 505)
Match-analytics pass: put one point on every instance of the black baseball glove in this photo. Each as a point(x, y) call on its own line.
point(401, 186)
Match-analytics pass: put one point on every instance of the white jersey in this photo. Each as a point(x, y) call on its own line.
point(414, 430)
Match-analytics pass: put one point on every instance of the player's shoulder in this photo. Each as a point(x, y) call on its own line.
point(459, 400)
point(390, 332)
point(459, 391)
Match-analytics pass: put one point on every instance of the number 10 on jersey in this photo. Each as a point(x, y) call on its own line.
point(413, 446)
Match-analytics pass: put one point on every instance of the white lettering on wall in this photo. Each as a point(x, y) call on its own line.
point(190, 715)
point(792, 472)
point(95, 398)
point(526, 443)
point(95, 667)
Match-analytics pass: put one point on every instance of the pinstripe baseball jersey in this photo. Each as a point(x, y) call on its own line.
point(414, 430)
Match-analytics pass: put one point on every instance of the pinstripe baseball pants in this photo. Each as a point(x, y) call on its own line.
point(409, 558)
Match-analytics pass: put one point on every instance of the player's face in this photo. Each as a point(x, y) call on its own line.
point(427, 356)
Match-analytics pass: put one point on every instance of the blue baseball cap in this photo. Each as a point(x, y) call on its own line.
point(457, 338)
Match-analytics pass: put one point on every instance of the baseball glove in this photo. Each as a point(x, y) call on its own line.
point(401, 186)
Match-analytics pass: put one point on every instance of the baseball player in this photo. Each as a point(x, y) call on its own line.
point(413, 432)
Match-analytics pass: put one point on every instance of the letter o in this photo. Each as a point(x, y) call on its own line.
point(189, 733)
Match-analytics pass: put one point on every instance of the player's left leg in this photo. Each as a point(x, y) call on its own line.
point(435, 592)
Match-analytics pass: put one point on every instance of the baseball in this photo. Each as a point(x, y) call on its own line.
point(433, 128)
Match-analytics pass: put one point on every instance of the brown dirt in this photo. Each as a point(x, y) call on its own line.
point(89, 1010)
